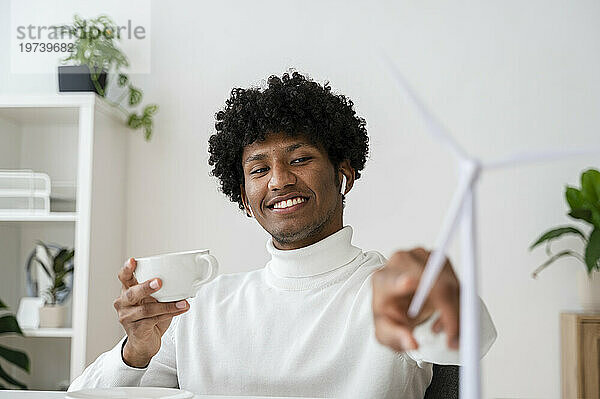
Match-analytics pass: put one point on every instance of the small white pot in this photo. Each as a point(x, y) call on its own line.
point(52, 316)
point(588, 289)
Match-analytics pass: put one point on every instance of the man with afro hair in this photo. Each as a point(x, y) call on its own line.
point(323, 318)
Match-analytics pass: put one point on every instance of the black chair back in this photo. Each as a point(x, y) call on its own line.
point(444, 383)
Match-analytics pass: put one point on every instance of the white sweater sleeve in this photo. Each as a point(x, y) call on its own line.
point(109, 369)
point(434, 349)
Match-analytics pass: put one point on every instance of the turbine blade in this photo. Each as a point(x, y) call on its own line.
point(538, 156)
point(436, 262)
point(434, 127)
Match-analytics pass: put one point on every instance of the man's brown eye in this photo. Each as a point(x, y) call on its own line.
point(301, 159)
point(260, 170)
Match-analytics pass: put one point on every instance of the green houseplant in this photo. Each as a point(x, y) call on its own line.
point(95, 46)
point(57, 266)
point(584, 204)
point(9, 325)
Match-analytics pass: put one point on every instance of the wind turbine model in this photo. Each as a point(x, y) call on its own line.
point(462, 209)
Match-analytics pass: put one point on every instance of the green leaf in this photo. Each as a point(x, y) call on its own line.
point(8, 324)
point(596, 219)
point(135, 96)
point(123, 79)
point(134, 121)
point(11, 380)
point(590, 186)
point(59, 260)
point(592, 251)
point(552, 259)
point(582, 214)
point(555, 233)
point(150, 110)
point(17, 358)
point(585, 203)
point(63, 256)
point(574, 198)
point(147, 132)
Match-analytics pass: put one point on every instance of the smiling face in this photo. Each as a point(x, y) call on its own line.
point(293, 189)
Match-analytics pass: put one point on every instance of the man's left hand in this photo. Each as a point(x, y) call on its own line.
point(393, 289)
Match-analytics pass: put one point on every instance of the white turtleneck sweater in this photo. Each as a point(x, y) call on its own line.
point(300, 326)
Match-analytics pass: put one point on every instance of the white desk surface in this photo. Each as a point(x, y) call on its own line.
point(61, 395)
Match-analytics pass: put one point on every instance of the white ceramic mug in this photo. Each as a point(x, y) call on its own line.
point(182, 273)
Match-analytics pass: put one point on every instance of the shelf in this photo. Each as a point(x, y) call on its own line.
point(51, 217)
point(48, 332)
point(24, 193)
point(59, 100)
point(60, 108)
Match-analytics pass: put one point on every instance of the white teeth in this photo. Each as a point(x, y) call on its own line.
point(288, 203)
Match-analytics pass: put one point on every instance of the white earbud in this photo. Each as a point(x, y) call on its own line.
point(343, 187)
point(251, 213)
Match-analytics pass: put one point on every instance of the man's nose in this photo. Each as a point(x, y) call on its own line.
point(281, 177)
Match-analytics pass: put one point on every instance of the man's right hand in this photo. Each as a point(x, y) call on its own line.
point(144, 319)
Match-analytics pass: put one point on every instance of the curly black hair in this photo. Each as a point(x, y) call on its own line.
point(292, 105)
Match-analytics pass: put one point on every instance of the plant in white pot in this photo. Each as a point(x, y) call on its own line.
point(58, 265)
point(584, 205)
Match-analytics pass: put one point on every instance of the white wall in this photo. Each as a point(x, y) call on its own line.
point(503, 76)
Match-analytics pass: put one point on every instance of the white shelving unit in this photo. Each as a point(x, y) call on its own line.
point(48, 332)
point(52, 217)
point(77, 139)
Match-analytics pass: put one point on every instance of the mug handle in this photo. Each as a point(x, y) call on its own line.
point(213, 268)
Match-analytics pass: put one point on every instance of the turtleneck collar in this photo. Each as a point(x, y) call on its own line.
point(315, 261)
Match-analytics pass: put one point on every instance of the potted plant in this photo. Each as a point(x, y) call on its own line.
point(96, 57)
point(9, 325)
point(584, 204)
point(58, 266)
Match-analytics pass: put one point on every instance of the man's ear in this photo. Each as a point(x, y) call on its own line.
point(245, 201)
point(345, 169)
